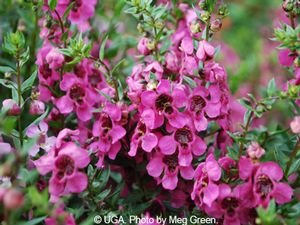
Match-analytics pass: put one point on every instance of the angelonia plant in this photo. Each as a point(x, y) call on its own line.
point(98, 121)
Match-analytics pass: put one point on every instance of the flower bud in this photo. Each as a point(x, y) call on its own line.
point(7, 75)
point(13, 199)
point(295, 125)
point(140, 28)
point(36, 107)
point(195, 27)
point(216, 25)
point(151, 45)
point(223, 10)
point(205, 16)
point(11, 107)
point(255, 151)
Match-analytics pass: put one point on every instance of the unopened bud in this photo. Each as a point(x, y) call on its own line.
point(13, 199)
point(7, 75)
point(159, 25)
point(216, 25)
point(151, 45)
point(195, 27)
point(11, 107)
point(205, 16)
point(140, 28)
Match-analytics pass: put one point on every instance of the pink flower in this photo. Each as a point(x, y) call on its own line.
point(255, 151)
point(36, 107)
point(295, 125)
point(153, 68)
point(205, 51)
point(185, 140)
point(228, 205)
point(78, 97)
point(81, 12)
point(286, 58)
point(266, 185)
point(44, 142)
point(64, 164)
point(169, 166)
point(108, 132)
point(143, 138)
point(5, 148)
point(200, 107)
point(55, 59)
point(163, 103)
point(13, 199)
point(206, 191)
point(11, 107)
point(142, 46)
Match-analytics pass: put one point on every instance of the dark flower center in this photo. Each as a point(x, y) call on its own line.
point(197, 103)
point(141, 129)
point(106, 123)
point(79, 71)
point(65, 165)
point(95, 78)
point(171, 161)
point(163, 103)
point(264, 185)
point(46, 71)
point(77, 93)
point(230, 204)
point(77, 4)
point(184, 135)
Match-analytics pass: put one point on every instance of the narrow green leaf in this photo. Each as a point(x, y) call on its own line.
point(52, 4)
point(29, 82)
point(117, 66)
point(102, 48)
point(190, 81)
point(271, 90)
point(68, 10)
point(5, 69)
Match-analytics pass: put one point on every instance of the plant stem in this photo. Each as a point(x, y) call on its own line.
point(292, 156)
point(207, 29)
point(19, 97)
point(247, 126)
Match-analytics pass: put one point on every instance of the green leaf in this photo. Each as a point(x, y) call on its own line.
point(8, 84)
point(52, 4)
point(117, 66)
point(120, 90)
point(271, 90)
point(5, 69)
point(34, 221)
point(294, 167)
point(103, 194)
point(190, 81)
point(68, 10)
point(102, 48)
point(27, 84)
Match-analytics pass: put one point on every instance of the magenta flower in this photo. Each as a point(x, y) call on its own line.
point(55, 59)
point(205, 51)
point(108, 132)
point(78, 97)
point(266, 185)
point(142, 138)
point(142, 46)
point(168, 165)
point(200, 107)
point(255, 151)
point(164, 102)
point(36, 107)
point(64, 163)
point(81, 12)
point(229, 206)
point(206, 191)
point(286, 57)
point(186, 141)
point(44, 142)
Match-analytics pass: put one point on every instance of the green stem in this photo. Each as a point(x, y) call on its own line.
point(247, 126)
point(19, 97)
